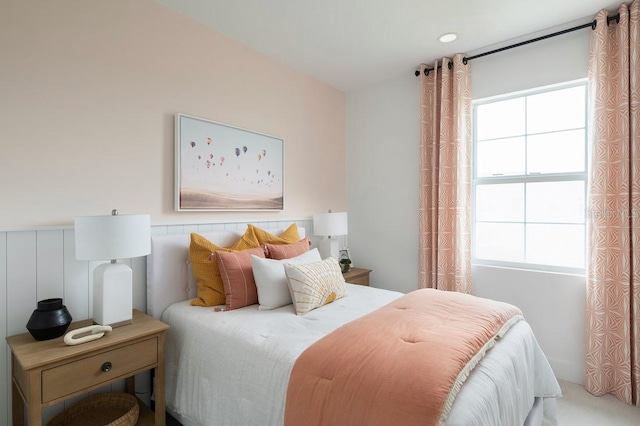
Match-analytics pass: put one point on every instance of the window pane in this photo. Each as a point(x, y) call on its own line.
point(500, 241)
point(557, 110)
point(525, 149)
point(501, 157)
point(558, 152)
point(555, 202)
point(559, 245)
point(500, 119)
point(500, 203)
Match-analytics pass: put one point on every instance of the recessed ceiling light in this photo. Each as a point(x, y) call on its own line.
point(448, 37)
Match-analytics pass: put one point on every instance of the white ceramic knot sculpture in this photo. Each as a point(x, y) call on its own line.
point(93, 332)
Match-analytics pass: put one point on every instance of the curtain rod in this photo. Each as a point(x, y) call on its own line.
point(466, 59)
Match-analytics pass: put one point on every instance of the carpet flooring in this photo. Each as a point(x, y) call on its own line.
point(579, 408)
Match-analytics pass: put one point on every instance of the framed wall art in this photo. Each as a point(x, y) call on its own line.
point(221, 167)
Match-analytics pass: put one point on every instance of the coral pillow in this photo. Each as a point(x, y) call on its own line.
point(205, 268)
point(314, 284)
point(237, 277)
point(290, 235)
point(287, 251)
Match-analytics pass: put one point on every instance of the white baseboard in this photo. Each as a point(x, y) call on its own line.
point(568, 371)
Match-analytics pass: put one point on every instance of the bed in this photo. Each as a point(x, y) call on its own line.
point(233, 367)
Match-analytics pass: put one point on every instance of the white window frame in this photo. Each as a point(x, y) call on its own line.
point(555, 177)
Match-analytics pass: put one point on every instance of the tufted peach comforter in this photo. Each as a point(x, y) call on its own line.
point(402, 364)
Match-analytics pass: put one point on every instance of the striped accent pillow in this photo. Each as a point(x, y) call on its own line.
point(287, 251)
point(237, 277)
point(314, 284)
point(205, 269)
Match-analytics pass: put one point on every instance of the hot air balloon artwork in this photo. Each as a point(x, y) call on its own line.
point(220, 176)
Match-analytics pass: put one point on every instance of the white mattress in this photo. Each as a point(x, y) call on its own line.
point(232, 368)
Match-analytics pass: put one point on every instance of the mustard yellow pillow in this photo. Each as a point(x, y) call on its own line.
point(206, 270)
point(289, 236)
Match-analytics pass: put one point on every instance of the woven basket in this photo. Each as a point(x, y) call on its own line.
point(107, 409)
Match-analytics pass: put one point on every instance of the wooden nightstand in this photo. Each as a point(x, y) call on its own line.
point(47, 372)
point(357, 276)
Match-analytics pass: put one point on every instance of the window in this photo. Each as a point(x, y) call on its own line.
point(530, 177)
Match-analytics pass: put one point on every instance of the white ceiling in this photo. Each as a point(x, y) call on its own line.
point(352, 44)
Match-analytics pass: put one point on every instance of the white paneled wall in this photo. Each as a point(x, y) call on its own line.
point(40, 263)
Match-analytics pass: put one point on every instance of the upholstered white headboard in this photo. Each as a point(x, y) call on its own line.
point(169, 275)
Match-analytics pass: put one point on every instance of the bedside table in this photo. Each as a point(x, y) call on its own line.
point(47, 372)
point(357, 276)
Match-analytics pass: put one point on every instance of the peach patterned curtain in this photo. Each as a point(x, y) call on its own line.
point(445, 174)
point(613, 256)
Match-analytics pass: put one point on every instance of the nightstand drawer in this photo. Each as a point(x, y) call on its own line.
point(79, 375)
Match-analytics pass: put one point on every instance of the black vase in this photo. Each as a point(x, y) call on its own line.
point(50, 320)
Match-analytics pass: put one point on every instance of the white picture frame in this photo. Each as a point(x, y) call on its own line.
point(219, 167)
point(344, 254)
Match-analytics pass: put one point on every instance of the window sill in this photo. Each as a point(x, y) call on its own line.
point(531, 268)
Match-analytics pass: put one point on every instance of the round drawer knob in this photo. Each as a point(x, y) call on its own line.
point(106, 366)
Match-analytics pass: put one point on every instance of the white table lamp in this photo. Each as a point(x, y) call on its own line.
point(329, 225)
point(110, 238)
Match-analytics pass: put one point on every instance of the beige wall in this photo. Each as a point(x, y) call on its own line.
point(88, 93)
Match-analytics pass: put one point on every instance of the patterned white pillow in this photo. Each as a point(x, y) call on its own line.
point(314, 284)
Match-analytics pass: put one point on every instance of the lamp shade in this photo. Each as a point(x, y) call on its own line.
point(327, 224)
point(112, 237)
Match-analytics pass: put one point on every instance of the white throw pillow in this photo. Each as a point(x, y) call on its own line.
point(316, 284)
point(271, 281)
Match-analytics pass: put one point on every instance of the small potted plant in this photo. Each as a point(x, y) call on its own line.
point(345, 264)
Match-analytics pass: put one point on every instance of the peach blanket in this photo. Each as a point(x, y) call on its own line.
point(402, 364)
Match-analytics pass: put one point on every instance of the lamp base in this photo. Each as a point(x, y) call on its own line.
point(112, 294)
point(328, 247)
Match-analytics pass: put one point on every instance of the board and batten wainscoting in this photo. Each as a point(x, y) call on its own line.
point(40, 263)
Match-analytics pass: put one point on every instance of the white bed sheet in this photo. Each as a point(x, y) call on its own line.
point(232, 368)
